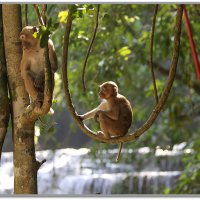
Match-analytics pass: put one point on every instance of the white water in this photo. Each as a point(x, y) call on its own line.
point(73, 172)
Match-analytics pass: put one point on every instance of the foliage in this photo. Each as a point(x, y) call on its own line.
point(121, 53)
point(189, 180)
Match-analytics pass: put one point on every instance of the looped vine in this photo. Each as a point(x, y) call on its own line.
point(172, 72)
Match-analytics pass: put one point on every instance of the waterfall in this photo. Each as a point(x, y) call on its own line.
point(73, 171)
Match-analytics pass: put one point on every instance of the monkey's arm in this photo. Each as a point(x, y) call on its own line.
point(89, 114)
point(29, 78)
point(112, 114)
point(92, 113)
point(52, 56)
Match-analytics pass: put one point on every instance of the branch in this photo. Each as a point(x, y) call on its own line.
point(151, 53)
point(39, 163)
point(90, 46)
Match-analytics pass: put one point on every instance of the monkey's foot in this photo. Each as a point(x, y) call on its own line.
point(39, 100)
point(81, 118)
point(38, 103)
point(100, 134)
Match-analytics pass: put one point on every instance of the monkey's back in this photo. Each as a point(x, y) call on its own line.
point(125, 113)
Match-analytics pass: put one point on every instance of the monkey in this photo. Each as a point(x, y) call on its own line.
point(33, 62)
point(114, 113)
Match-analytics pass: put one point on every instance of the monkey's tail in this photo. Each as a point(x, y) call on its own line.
point(119, 152)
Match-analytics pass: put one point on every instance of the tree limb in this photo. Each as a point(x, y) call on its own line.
point(39, 164)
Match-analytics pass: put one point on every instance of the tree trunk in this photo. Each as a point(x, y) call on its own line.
point(4, 100)
point(25, 165)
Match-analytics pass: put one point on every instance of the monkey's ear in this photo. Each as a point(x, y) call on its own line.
point(115, 91)
point(35, 29)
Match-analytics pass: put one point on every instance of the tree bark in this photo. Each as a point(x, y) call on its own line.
point(4, 100)
point(25, 164)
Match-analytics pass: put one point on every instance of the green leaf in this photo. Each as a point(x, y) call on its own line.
point(44, 38)
point(56, 25)
point(49, 24)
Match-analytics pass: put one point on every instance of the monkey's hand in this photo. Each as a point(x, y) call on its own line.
point(39, 100)
point(100, 134)
point(39, 81)
point(81, 117)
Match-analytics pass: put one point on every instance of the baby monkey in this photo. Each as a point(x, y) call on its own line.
point(33, 63)
point(114, 114)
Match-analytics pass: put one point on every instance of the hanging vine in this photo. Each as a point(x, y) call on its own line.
point(151, 53)
point(90, 46)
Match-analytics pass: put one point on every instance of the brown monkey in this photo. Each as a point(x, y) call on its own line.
point(114, 114)
point(33, 62)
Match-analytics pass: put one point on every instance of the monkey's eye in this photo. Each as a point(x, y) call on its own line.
point(103, 89)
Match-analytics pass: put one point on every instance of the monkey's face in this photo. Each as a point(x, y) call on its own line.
point(26, 36)
point(107, 90)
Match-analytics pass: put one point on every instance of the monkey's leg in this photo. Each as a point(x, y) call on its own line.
point(104, 122)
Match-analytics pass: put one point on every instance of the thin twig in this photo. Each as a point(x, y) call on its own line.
point(38, 14)
point(90, 46)
point(151, 53)
point(44, 10)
